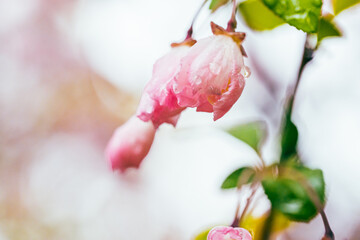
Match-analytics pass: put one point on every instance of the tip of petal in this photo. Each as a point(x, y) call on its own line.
point(229, 98)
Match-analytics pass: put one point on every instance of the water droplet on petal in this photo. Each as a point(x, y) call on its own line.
point(149, 109)
point(247, 72)
point(197, 80)
point(215, 68)
point(176, 88)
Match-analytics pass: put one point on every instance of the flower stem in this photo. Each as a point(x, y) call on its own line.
point(239, 217)
point(190, 31)
point(232, 22)
point(307, 57)
point(248, 201)
point(235, 223)
point(268, 225)
point(329, 234)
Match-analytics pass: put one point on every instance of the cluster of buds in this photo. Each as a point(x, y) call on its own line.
point(208, 75)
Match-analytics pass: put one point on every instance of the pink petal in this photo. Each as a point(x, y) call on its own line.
point(228, 99)
point(228, 233)
point(130, 144)
point(210, 76)
point(159, 104)
point(205, 107)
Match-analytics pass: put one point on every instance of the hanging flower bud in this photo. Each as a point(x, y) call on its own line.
point(130, 144)
point(208, 76)
point(159, 102)
point(211, 77)
point(227, 233)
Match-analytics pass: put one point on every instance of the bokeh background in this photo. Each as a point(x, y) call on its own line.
point(71, 71)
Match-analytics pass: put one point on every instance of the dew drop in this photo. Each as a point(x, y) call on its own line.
point(176, 88)
point(215, 68)
point(197, 80)
point(247, 72)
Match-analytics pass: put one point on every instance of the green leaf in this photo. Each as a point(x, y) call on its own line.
point(257, 16)
point(238, 178)
point(288, 197)
point(315, 179)
point(289, 138)
point(302, 14)
point(215, 4)
point(295, 192)
point(340, 5)
point(253, 133)
point(327, 28)
point(202, 235)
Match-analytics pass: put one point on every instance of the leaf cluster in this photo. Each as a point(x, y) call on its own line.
point(305, 15)
point(294, 190)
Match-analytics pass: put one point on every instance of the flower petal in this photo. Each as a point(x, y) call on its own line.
point(159, 103)
point(228, 233)
point(228, 99)
point(130, 144)
point(203, 80)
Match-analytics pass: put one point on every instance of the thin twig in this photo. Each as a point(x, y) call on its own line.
point(190, 31)
point(235, 223)
point(307, 57)
point(262, 162)
point(254, 188)
point(329, 234)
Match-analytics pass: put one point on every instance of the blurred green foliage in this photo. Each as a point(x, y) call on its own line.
point(239, 177)
point(327, 28)
point(253, 134)
point(202, 235)
point(302, 14)
point(340, 5)
point(215, 4)
point(258, 17)
point(296, 192)
point(289, 138)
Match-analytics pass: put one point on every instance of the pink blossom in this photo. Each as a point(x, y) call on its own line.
point(211, 74)
point(207, 76)
point(228, 233)
point(158, 102)
point(130, 144)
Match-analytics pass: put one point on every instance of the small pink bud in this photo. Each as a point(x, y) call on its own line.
point(228, 233)
point(130, 144)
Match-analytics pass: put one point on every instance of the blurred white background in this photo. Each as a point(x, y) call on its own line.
point(59, 63)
